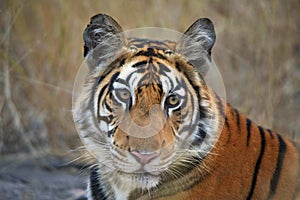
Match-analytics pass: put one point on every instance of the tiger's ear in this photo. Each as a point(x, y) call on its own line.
point(103, 38)
point(196, 44)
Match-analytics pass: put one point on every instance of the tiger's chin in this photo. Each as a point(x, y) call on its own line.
point(137, 180)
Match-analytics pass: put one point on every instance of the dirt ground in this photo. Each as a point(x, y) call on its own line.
point(23, 177)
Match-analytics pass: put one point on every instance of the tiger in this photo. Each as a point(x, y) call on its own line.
point(156, 130)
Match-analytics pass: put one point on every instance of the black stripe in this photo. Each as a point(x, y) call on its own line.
point(249, 124)
point(112, 80)
point(227, 124)
point(112, 132)
point(196, 88)
point(85, 50)
point(139, 45)
point(177, 65)
point(160, 89)
point(270, 133)
point(95, 86)
point(276, 174)
point(139, 64)
point(107, 119)
point(201, 134)
point(258, 162)
point(238, 122)
point(163, 68)
point(122, 81)
point(122, 62)
point(97, 191)
point(150, 52)
point(107, 106)
point(99, 98)
point(221, 108)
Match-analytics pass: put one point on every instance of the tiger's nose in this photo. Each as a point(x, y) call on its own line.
point(144, 158)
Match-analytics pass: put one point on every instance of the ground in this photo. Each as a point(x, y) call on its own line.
point(24, 177)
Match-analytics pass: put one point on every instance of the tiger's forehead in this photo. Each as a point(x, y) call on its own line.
point(144, 43)
point(150, 53)
point(139, 72)
point(150, 61)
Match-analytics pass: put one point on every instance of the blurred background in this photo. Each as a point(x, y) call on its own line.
point(257, 52)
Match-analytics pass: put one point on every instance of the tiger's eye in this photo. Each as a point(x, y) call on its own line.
point(172, 101)
point(123, 94)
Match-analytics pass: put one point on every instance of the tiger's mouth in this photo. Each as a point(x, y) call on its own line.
point(140, 174)
point(145, 164)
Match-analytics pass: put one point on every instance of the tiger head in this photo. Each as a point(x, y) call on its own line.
point(145, 112)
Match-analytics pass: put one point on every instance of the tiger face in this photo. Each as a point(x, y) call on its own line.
point(145, 110)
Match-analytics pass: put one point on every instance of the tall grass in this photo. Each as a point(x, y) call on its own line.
point(257, 52)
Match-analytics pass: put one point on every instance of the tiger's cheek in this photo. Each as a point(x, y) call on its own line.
point(167, 141)
point(121, 140)
point(175, 121)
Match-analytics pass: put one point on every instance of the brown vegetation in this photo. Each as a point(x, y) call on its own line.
point(41, 49)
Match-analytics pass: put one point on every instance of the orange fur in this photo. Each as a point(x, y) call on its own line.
point(232, 164)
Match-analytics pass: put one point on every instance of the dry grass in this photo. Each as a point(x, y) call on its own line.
point(257, 51)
